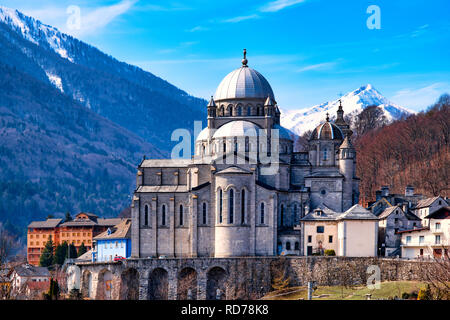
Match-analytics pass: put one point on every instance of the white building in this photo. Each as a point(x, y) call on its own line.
point(433, 240)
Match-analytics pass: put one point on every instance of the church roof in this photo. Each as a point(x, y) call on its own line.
point(244, 82)
point(165, 163)
point(238, 128)
point(151, 189)
point(234, 170)
point(327, 131)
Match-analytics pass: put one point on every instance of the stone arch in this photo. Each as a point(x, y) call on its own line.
point(229, 110)
point(86, 284)
point(104, 285)
point(129, 285)
point(239, 110)
point(158, 286)
point(187, 284)
point(216, 279)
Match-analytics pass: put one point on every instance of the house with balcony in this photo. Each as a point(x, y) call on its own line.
point(430, 241)
point(427, 206)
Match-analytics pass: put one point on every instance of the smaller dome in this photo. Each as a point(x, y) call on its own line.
point(327, 131)
point(283, 132)
point(203, 135)
point(237, 129)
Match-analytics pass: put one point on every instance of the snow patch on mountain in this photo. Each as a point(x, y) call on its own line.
point(35, 31)
point(55, 80)
point(302, 120)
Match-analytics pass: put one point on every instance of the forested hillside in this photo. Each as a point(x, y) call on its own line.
point(412, 151)
point(58, 156)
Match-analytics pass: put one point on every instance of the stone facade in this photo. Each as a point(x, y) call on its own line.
point(236, 278)
point(245, 190)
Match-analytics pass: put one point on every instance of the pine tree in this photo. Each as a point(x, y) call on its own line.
point(72, 251)
point(68, 217)
point(46, 258)
point(82, 249)
point(60, 253)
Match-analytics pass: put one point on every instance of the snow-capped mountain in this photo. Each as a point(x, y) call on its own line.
point(302, 120)
point(114, 89)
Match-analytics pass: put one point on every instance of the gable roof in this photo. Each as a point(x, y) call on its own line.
point(49, 223)
point(441, 213)
point(357, 212)
point(326, 214)
point(428, 202)
point(388, 211)
point(31, 271)
point(120, 231)
point(234, 170)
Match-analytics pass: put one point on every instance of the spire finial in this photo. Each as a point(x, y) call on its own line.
point(244, 61)
point(328, 117)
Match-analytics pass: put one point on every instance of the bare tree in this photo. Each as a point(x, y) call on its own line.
point(370, 118)
point(437, 274)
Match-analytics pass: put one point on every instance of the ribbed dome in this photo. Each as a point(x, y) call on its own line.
point(327, 131)
point(237, 129)
point(244, 82)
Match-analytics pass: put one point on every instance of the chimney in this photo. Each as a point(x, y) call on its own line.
point(377, 195)
point(409, 191)
point(384, 191)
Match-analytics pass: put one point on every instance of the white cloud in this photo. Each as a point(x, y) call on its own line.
point(197, 28)
point(241, 18)
point(421, 98)
point(92, 20)
point(278, 5)
point(319, 66)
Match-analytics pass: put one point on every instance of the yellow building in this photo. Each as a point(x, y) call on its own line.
point(353, 233)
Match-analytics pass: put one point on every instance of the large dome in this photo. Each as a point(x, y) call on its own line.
point(244, 82)
point(238, 128)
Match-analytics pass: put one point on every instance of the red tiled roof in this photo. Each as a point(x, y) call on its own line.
point(412, 230)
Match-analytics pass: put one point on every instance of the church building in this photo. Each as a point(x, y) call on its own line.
point(245, 190)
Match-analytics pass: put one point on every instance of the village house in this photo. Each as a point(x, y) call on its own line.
point(427, 206)
point(430, 241)
point(353, 233)
point(23, 274)
point(392, 220)
point(113, 243)
point(384, 199)
point(80, 230)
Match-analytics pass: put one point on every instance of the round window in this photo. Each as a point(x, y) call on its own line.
point(323, 192)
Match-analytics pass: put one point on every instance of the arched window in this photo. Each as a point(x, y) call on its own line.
point(239, 111)
point(288, 245)
point(220, 205)
point(325, 154)
point(295, 212)
point(204, 213)
point(249, 111)
point(297, 245)
point(163, 215)
point(224, 147)
point(146, 215)
point(243, 206)
point(231, 206)
point(262, 213)
point(181, 214)
point(282, 216)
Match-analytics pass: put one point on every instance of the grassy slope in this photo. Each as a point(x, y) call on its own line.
point(388, 289)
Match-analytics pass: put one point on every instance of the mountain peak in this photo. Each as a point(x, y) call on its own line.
point(300, 121)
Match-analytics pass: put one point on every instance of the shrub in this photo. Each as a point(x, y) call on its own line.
point(330, 252)
point(425, 294)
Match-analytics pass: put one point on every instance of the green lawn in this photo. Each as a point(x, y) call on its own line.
point(388, 289)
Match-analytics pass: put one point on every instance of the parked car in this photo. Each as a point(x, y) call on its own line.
point(162, 257)
point(119, 258)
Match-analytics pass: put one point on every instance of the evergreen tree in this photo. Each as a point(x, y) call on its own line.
point(72, 251)
point(60, 253)
point(46, 258)
point(68, 217)
point(82, 249)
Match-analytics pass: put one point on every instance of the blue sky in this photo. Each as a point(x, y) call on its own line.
point(310, 50)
